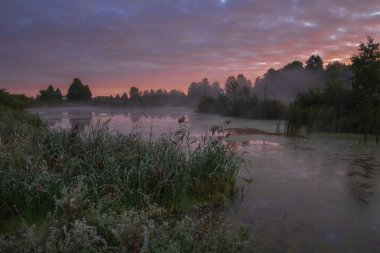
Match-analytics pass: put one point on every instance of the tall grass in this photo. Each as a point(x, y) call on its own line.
point(38, 163)
point(71, 172)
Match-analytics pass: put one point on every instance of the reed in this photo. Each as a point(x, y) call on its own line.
point(69, 172)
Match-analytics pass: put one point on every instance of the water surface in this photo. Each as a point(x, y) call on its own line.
point(319, 193)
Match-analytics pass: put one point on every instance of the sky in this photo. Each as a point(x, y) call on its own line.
point(112, 45)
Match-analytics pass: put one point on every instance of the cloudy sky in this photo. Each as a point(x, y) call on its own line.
point(114, 44)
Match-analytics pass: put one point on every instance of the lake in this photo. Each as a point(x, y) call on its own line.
point(318, 193)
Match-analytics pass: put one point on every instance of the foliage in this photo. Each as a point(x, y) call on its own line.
point(366, 86)
point(239, 100)
point(134, 93)
point(285, 83)
point(198, 89)
point(244, 106)
point(13, 101)
point(162, 97)
point(37, 163)
point(146, 98)
point(50, 94)
point(314, 63)
point(78, 91)
point(326, 109)
point(338, 107)
point(90, 181)
point(149, 230)
point(339, 71)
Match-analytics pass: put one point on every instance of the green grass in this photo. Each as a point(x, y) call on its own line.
point(72, 174)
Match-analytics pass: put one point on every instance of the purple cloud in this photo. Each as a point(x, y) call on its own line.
point(112, 45)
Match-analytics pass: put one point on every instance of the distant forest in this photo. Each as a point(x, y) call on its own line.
point(282, 84)
point(341, 105)
point(337, 97)
point(269, 97)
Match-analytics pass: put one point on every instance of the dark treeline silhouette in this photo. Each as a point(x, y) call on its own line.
point(198, 89)
point(238, 100)
point(159, 97)
point(341, 106)
point(162, 97)
point(338, 97)
point(14, 101)
point(270, 94)
point(50, 94)
point(285, 83)
point(77, 92)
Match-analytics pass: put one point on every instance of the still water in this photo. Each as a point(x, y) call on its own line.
point(319, 193)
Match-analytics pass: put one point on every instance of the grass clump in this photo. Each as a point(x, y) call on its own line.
point(95, 187)
point(149, 230)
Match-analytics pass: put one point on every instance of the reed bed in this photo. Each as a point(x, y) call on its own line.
point(71, 174)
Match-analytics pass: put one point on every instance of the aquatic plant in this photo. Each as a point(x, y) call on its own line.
point(90, 181)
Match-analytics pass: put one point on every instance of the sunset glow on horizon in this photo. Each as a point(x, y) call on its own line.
point(113, 45)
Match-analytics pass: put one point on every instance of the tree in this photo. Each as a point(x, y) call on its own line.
point(49, 94)
point(366, 86)
point(14, 101)
point(78, 91)
point(215, 90)
point(294, 65)
point(232, 90)
point(176, 94)
point(124, 96)
point(338, 107)
point(145, 94)
point(58, 94)
point(339, 71)
point(243, 82)
point(198, 89)
point(234, 86)
point(134, 93)
point(314, 63)
point(86, 93)
point(366, 69)
point(46, 94)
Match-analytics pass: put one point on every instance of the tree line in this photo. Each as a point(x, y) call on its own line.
point(337, 97)
point(341, 106)
point(76, 91)
point(14, 101)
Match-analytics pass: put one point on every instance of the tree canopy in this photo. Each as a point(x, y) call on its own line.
point(198, 89)
point(78, 91)
point(366, 86)
point(50, 94)
point(314, 63)
point(350, 99)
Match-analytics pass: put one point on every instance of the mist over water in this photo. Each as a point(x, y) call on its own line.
point(153, 121)
point(319, 193)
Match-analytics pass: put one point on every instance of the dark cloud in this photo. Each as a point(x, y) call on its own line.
point(114, 44)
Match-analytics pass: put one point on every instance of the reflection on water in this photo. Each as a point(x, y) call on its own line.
point(313, 194)
point(362, 177)
point(122, 120)
point(157, 120)
point(79, 118)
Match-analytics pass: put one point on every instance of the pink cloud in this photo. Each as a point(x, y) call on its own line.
point(113, 45)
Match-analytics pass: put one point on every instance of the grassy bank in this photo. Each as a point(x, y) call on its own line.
point(103, 191)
